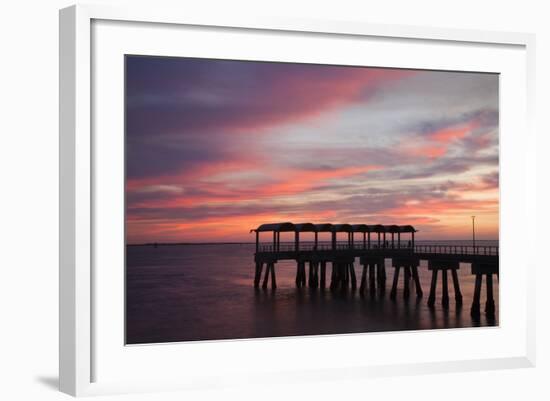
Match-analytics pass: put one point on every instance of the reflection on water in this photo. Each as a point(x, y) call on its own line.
point(205, 292)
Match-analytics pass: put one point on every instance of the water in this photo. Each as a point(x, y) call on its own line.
point(205, 292)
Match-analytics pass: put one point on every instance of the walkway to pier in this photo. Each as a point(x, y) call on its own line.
point(341, 244)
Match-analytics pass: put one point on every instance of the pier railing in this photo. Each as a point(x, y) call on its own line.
point(326, 246)
point(487, 250)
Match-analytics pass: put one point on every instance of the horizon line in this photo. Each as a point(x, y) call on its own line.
point(253, 243)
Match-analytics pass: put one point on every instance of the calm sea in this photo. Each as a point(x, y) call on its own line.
point(205, 292)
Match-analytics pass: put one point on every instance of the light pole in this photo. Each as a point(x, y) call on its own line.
point(474, 232)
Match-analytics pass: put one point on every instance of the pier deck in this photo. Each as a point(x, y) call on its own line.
point(372, 253)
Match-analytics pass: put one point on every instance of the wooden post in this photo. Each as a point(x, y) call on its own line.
point(273, 282)
point(419, 292)
point(412, 239)
point(257, 241)
point(383, 269)
point(316, 239)
point(334, 242)
point(274, 241)
point(298, 278)
point(475, 310)
point(310, 278)
point(372, 285)
point(296, 241)
point(337, 277)
point(445, 295)
point(345, 272)
point(431, 298)
point(323, 274)
point(266, 276)
point(398, 240)
point(379, 240)
point(258, 274)
point(278, 241)
point(456, 285)
point(395, 280)
point(316, 275)
point(364, 240)
point(392, 240)
point(333, 276)
point(407, 279)
point(381, 274)
point(363, 279)
point(352, 275)
point(368, 243)
point(490, 303)
point(384, 234)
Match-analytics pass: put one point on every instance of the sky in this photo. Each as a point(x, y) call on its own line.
point(215, 148)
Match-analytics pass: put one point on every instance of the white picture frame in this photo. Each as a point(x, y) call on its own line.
point(78, 226)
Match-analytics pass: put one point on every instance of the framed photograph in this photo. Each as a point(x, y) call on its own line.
point(260, 191)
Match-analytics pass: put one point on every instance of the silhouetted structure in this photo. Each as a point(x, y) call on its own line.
point(375, 244)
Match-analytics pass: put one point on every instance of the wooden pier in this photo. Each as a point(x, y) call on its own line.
point(372, 245)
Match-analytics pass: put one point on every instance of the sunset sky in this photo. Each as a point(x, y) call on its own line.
point(215, 148)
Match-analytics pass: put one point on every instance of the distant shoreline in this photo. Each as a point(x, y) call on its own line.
point(253, 243)
point(190, 243)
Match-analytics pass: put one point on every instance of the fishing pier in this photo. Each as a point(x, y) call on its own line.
point(318, 246)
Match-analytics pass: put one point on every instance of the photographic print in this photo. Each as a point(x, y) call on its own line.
point(269, 199)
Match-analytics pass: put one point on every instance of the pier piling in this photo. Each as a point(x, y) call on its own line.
point(456, 286)
point(381, 275)
point(363, 285)
point(258, 274)
point(266, 277)
point(352, 276)
point(490, 303)
point(322, 284)
point(416, 279)
point(273, 281)
point(475, 310)
point(444, 265)
point(431, 297)
point(393, 291)
point(445, 294)
point(372, 280)
point(409, 264)
point(334, 271)
point(487, 270)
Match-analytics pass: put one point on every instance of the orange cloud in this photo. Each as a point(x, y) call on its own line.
point(295, 182)
point(436, 144)
point(287, 182)
point(451, 134)
point(429, 151)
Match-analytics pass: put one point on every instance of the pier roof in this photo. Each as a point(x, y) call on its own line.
point(328, 227)
point(407, 229)
point(392, 229)
point(342, 228)
point(360, 228)
point(305, 227)
point(286, 226)
point(377, 228)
